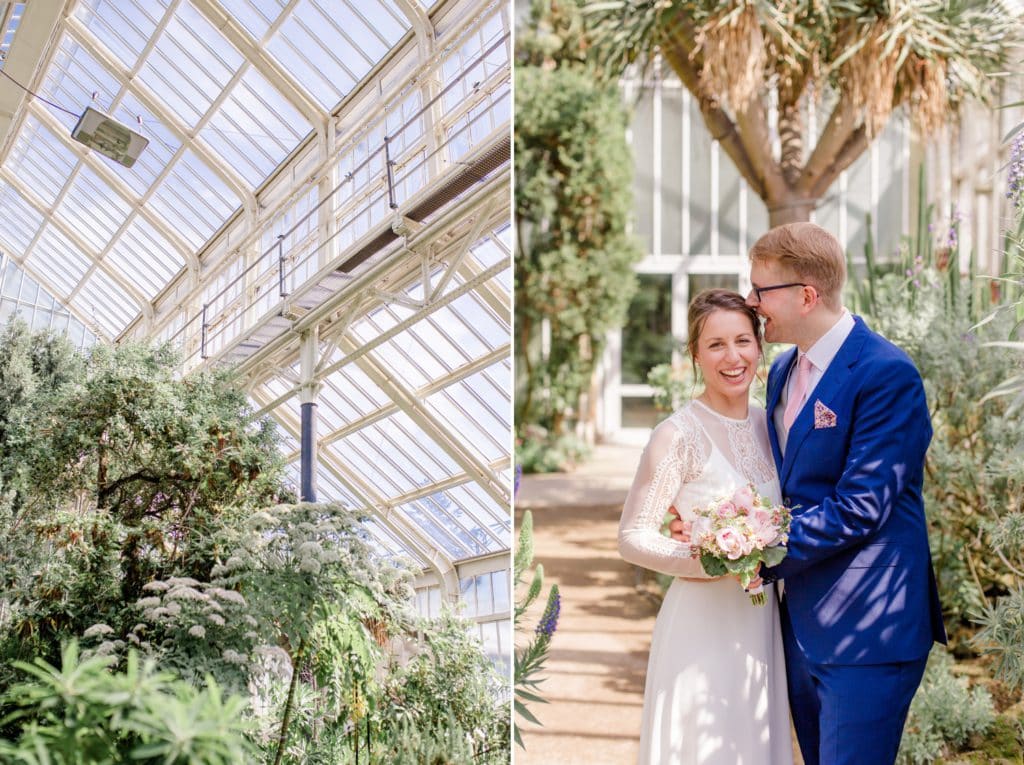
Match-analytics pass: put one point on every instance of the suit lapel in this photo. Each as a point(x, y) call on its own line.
point(835, 377)
point(776, 379)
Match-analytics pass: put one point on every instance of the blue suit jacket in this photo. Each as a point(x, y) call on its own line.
point(859, 585)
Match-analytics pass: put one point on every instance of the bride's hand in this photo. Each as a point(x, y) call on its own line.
point(755, 583)
point(679, 528)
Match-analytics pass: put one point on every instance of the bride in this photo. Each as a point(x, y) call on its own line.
point(716, 681)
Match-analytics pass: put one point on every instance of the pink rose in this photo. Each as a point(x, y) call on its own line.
point(762, 516)
point(727, 510)
point(762, 527)
point(743, 498)
point(730, 543)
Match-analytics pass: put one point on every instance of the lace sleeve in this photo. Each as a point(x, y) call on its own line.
point(675, 454)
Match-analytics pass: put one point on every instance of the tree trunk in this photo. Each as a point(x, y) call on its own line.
point(792, 208)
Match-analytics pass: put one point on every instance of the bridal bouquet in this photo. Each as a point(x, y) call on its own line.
point(734, 533)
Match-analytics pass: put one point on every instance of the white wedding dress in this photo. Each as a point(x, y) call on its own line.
point(716, 678)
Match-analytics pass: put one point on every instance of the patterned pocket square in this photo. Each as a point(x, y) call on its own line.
point(823, 416)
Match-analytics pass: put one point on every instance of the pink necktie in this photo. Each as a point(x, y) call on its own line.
point(799, 391)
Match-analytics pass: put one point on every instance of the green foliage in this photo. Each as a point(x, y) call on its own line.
point(435, 695)
point(974, 475)
point(449, 680)
point(573, 181)
point(293, 575)
point(301, 578)
point(755, 67)
point(139, 513)
point(944, 714)
point(129, 474)
point(530, 658)
point(445, 744)
point(84, 714)
point(540, 451)
point(1002, 634)
point(672, 386)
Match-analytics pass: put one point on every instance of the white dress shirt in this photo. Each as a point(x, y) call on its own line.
point(820, 355)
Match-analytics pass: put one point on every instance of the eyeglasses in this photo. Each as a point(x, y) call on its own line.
point(759, 290)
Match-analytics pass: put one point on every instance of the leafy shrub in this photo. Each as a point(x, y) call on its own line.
point(944, 714)
point(539, 451)
point(573, 203)
point(450, 679)
point(975, 477)
point(84, 714)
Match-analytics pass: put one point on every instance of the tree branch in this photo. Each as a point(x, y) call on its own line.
point(679, 47)
point(853, 148)
point(109, 489)
point(833, 141)
point(752, 123)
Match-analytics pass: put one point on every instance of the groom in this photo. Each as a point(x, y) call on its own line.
point(849, 427)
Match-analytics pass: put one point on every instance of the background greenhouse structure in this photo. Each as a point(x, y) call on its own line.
point(323, 204)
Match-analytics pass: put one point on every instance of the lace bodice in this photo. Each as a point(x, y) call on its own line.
point(692, 457)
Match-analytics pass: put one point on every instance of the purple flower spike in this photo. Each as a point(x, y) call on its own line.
point(1015, 176)
point(549, 619)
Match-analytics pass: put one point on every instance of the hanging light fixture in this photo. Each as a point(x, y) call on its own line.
point(109, 137)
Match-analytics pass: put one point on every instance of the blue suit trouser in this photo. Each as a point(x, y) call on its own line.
point(848, 714)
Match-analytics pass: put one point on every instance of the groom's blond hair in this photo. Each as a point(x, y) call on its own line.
point(810, 252)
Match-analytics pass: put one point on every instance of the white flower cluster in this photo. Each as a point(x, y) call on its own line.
point(97, 629)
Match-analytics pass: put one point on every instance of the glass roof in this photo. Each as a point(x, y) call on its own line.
point(330, 167)
point(221, 107)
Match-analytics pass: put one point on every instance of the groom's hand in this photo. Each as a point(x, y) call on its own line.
point(679, 528)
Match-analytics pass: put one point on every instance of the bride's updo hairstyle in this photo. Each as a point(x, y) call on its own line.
point(709, 301)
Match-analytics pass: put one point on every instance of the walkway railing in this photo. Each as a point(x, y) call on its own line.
point(401, 175)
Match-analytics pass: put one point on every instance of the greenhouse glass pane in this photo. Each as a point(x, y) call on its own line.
point(190, 64)
point(41, 161)
point(389, 543)
point(254, 128)
point(395, 456)
point(194, 200)
point(145, 257)
point(76, 80)
point(477, 413)
point(61, 260)
point(124, 28)
point(92, 209)
point(355, 395)
point(499, 585)
point(306, 44)
point(446, 535)
point(489, 252)
point(255, 15)
point(103, 301)
point(458, 516)
point(23, 220)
